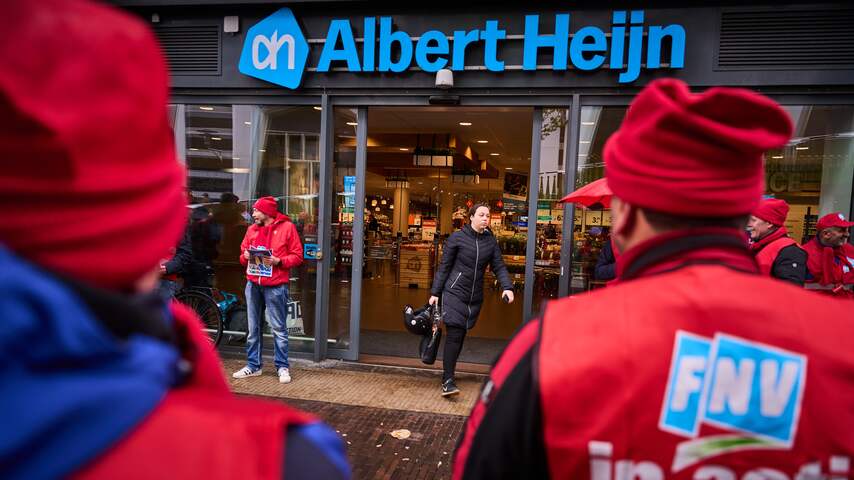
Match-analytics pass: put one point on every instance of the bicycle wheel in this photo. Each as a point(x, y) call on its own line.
point(207, 310)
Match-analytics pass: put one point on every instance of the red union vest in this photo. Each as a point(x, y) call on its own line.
point(201, 430)
point(766, 257)
point(700, 372)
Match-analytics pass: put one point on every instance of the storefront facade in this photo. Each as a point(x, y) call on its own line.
point(334, 109)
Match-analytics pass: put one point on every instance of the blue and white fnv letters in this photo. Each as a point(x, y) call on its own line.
point(734, 384)
point(275, 49)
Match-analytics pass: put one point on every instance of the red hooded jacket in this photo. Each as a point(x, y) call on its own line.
point(282, 238)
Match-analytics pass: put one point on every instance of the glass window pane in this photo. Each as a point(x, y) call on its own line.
point(235, 155)
point(813, 173)
point(591, 226)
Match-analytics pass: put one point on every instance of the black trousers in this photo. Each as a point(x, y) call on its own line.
point(454, 337)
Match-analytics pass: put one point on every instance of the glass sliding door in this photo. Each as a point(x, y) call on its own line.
point(424, 168)
point(345, 257)
point(554, 138)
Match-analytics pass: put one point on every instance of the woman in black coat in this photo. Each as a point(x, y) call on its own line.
point(459, 285)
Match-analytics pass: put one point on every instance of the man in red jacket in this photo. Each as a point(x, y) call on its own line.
point(270, 249)
point(776, 254)
point(693, 366)
point(831, 257)
point(100, 377)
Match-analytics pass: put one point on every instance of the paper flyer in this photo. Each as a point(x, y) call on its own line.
point(256, 267)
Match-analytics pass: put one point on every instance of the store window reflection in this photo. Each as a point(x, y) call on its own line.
point(814, 171)
point(235, 155)
point(591, 231)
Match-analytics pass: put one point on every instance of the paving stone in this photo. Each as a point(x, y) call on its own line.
point(433, 439)
point(391, 390)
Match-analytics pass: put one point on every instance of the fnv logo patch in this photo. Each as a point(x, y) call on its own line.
point(748, 387)
point(275, 50)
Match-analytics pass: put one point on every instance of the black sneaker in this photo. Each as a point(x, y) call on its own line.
point(449, 388)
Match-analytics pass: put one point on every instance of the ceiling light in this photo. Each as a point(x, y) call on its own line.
point(508, 168)
point(235, 158)
point(777, 156)
point(236, 170)
point(465, 124)
point(495, 154)
point(584, 142)
point(403, 149)
point(193, 149)
point(247, 123)
point(262, 150)
point(588, 124)
point(352, 124)
point(483, 141)
point(318, 108)
point(207, 109)
point(802, 148)
point(216, 138)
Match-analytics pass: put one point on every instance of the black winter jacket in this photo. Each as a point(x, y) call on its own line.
point(791, 265)
point(606, 264)
point(459, 280)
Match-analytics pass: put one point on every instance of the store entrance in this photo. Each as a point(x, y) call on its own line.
point(425, 167)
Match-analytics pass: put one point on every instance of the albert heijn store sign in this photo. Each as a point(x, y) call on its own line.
point(277, 51)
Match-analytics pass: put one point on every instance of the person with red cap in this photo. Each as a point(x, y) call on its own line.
point(100, 377)
point(830, 258)
point(271, 247)
point(776, 254)
point(694, 365)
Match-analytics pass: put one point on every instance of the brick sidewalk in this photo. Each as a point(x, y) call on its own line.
point(374, 454)
point(388, 389)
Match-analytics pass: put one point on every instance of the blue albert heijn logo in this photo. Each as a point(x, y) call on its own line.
point(275, 50)
point(746, 387)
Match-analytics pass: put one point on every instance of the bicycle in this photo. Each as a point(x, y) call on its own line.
point(212, 307)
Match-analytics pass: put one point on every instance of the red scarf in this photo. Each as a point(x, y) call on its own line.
point(831, 273)
point(758, 245)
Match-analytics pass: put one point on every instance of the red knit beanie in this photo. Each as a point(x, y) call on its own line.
point(90, 185)
point(268, 206)
point(694, 154)
point(773, 211)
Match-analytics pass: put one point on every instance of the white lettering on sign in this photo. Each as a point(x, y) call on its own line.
point(732, 386)
point(714, 472)
point(776, 390)
point(629, 470)
point(687, 382)
point(272, 44)
point(602, 467)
